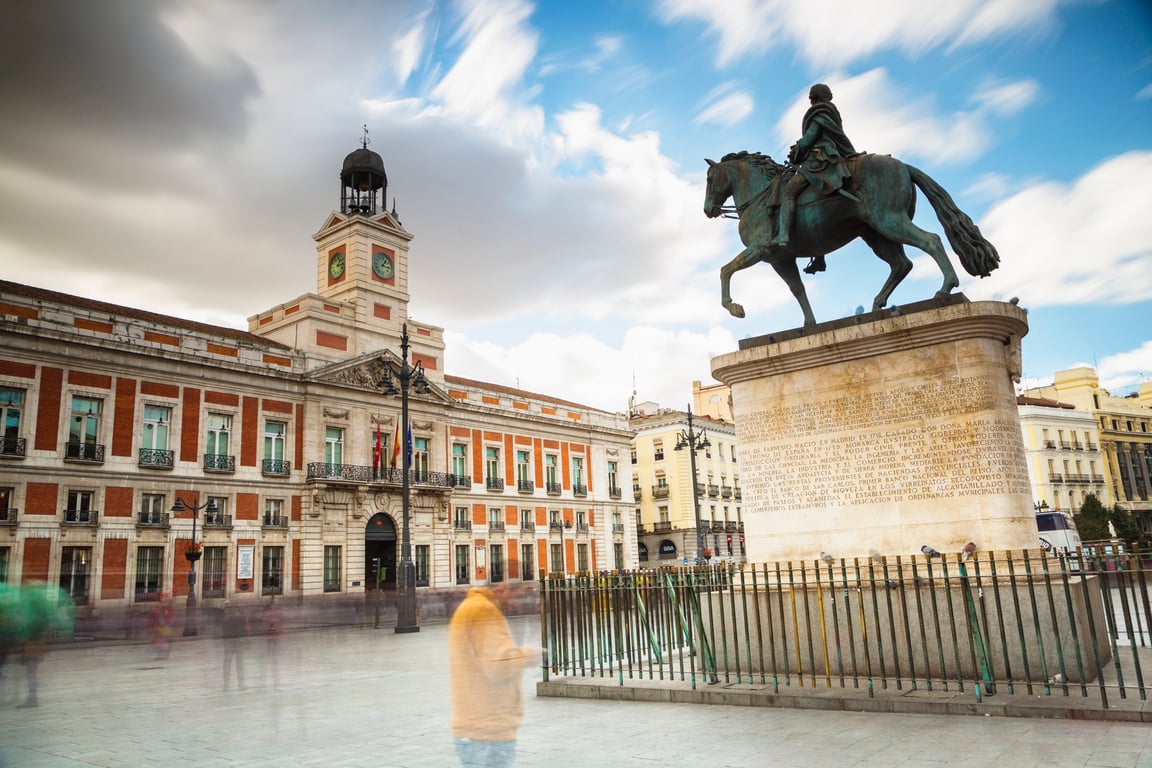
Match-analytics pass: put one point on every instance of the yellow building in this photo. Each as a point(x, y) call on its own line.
point(668, 499)
point(286, 441)
point(1124, 425)
point(1062, 447)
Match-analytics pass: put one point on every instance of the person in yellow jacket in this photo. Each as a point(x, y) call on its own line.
point(485, 665)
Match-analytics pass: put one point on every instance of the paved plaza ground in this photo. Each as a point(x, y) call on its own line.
point(356, 697)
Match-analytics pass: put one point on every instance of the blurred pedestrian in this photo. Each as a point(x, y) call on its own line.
point(234, 632)
point(161, 626)
point(486, 667)
point(273, 629)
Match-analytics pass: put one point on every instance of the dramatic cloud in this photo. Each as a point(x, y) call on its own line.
point(1067, 244)
point(840, 32)
point(1128, 369)
point(725, 105)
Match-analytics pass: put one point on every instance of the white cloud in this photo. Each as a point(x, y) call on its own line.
point(1007, 98)
point(1084, 242)
point(725, 105)
point(881, 116)
point(1145, 93)
point(840, 32)
point(1126, 369)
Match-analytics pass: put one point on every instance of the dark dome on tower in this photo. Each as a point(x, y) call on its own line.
point(363, 181)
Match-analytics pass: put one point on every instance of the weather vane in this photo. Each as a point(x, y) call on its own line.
point(364, 142)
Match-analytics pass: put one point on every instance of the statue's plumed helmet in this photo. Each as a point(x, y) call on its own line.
point(820, 92)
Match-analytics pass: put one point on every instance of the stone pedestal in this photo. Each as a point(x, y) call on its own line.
point(882, 433)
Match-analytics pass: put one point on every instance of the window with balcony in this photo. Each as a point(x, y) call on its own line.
point(527, 569)
point(149, 572)
point(613, 481)
point(460, 464)
point(579, 484)
point(555, 522)
point(332, 562)
point(462, 520)
point(272, 571)
point(582, 557)
point(8, 512)
point(556, 558)
point(221, 517)
point(84, 430)
point(274, 514)
point(11, 414)
point(79, 508)
point(494, 479)
point(154, 450)
point(581, 520)
point(552, 474)
point(333, 451)
point(527, 520)
point(634, 454)
point(495, 519)
point(420, 453)
point(153, 510)
point(524, 472)
point(274, 462)
point(217, 444)
point(658, 450)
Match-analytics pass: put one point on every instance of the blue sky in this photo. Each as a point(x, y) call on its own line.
point(549, 159)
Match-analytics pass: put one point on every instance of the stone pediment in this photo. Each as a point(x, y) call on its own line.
point(384, 221)
point(366, 373)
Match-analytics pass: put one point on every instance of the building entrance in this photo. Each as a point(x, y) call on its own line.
point(380, 553)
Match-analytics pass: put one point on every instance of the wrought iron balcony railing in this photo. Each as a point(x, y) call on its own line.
point(662, 527)
point(81, 516)
point(579, 490)
point(614, 492)
point(354, 473)
point(219, 462)
point(12, 447)
point(276, 468)
point(527, 525)
point(713, 490)
point(462, 525)
point(726, 491)
point(699, 489)
point(660, 491)
point(89, 453)
point(496, 525)
point(582, 527)
point(152, 520)
point(275, 521)
point(8, 516)
point(555, 525)
point(525, 486)
point(156, 458)
point(553, 489)
point(494, 483)
point(617, 527)
point(460, 481)
point(217, 520)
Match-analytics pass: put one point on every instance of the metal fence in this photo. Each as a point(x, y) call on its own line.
point(1011, 622)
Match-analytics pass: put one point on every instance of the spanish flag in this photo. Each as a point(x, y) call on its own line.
point(395, 460)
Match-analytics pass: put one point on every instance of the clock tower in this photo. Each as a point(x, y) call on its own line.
point(361, 298)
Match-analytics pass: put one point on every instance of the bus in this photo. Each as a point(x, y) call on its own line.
point(1058, 533)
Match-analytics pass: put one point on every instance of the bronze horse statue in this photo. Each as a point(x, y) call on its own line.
point(878, 207)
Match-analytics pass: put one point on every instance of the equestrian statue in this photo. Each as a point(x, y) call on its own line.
point(828, 195)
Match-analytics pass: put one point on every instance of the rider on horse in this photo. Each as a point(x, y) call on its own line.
point(819, 156)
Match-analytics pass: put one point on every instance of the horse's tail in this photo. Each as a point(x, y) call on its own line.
point(977, 255)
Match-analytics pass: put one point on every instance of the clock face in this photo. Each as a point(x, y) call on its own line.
point(336, 265)
point(382, 265)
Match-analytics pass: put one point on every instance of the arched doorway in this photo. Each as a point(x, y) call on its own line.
point(380, 550)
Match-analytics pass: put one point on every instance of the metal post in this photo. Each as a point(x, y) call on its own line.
point(694, 442)
point(192, 555)
point(406, 597)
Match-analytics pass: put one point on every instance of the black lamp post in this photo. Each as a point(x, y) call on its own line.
point(1040, 506)
point(694, 441)
point(411, 376)
point(192, 555)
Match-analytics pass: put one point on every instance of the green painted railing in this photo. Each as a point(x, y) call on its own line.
point(1011, 622)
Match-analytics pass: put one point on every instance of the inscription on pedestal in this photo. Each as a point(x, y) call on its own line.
point(932, 441)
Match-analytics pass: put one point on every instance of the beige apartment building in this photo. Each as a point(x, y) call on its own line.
point(682, 518)
point(1124, 426)
point(286, 441)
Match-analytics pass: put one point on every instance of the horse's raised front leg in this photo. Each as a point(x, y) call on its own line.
point(786, 267)
point(743, 260)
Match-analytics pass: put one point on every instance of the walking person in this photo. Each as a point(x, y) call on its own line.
point(234, 633)
point(486, 667)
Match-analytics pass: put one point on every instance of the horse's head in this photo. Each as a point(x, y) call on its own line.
point(731, 178)
point(718, 189)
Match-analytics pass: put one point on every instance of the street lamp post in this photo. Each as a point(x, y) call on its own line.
point(694, 441)
point(192, 555)
point(410, 376)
